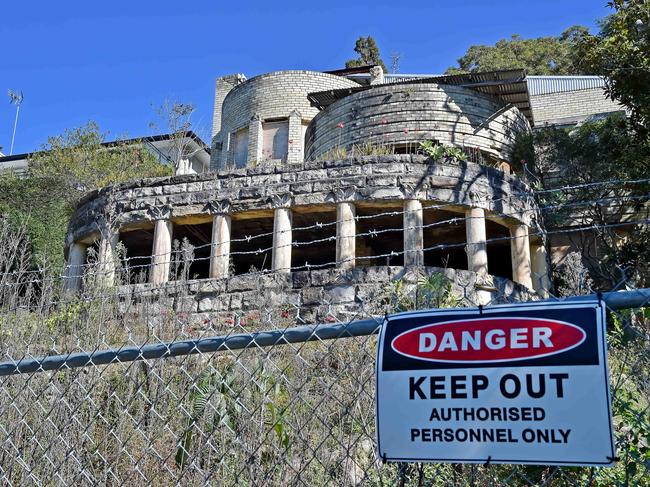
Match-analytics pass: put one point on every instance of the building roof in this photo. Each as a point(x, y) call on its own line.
point(507, 85)
point(544, 85)
point(158, 143)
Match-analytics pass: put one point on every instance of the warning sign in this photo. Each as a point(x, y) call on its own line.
point(522, 383)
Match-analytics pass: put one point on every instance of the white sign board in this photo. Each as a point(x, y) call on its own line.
point(523, 383)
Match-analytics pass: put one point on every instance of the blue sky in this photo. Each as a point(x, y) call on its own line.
point(114, 62)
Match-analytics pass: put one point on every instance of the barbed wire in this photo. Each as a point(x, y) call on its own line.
point(436, 206)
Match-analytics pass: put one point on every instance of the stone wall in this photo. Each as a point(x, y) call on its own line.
point(315, 296)
point(406, 114)
point(267, 97)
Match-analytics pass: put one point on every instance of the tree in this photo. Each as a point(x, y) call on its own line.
point(69, 165)
point(176, 117)
point(368, 52)
point(621, 53)
point(79, 161)
point(587, 157)
point(539, 56)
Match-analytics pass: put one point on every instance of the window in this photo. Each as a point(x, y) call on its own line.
point(275, 140)
point(239, 147)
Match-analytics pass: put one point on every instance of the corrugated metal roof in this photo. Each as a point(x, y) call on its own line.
point(398, 78)
point(507, 85)
point(543, 85)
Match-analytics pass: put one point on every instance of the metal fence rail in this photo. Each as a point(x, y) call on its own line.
point(618, 300)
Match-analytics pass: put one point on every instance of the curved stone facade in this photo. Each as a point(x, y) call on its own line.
point(317, 230)
point(371, 212)
point(367, 178)
point(402, 115)
point(269, 98)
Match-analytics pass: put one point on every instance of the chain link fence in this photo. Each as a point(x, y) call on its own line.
point(116, 388)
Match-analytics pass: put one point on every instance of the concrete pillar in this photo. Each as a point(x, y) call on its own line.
point(161, 253)
point(106, 259)
point(220, 249)
point(520, 252)
point(255, 141)
point(413, 236)
point(346, 230)
point(539, 264)
point(476, 247)
point(282, 240)
point(296, 143)
point(74, 269)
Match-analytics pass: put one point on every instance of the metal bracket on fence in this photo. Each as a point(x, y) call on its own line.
point(614, 300)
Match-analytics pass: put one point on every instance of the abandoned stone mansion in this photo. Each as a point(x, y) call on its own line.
point(324, 186)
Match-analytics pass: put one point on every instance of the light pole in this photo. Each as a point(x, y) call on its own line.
point(16, 99)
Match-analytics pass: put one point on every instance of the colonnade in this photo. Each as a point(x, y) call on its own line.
point(529, 263)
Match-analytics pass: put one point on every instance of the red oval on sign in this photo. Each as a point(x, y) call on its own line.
point(488, 340)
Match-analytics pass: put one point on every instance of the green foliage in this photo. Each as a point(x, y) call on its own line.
point(370, 149)
point(629, 363)
point(539, 56)
point(33, 203)
point(69, 165)
point(621, 52)
point(368, 52)
point(79, 162)
point(430, 291)
point(441, 151)
point(215, 389)
point(597, 151)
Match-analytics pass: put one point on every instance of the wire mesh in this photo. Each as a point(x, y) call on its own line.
point(291, 406)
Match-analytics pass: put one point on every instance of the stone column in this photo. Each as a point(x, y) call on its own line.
point(296, 142)
point(346, 230)
point(106, 258)
point(74, 269)
point(520, 252)
point(161, 253)
point(255, 141)
point(476, 247)
point(220, 249)
point(413, 235)
point(539, 264)
point(282, 236)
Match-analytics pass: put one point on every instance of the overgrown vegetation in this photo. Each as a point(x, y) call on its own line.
point(68, 166)
point(585, 157)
